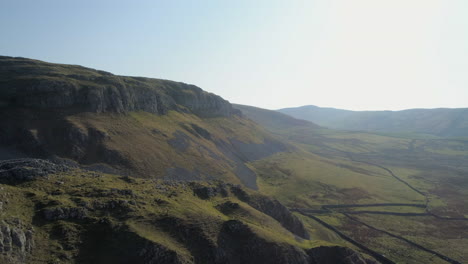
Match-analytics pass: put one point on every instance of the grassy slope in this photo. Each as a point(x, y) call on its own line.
point(146, 144)
point(143, 140)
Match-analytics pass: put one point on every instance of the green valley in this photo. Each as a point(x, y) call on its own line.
point(404, 185)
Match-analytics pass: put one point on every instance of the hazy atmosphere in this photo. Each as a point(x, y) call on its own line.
point(227, 132)
point(357, 55)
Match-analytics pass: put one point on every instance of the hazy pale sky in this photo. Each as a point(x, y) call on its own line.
point(351, 54)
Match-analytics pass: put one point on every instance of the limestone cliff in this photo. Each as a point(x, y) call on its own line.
point(35, 84)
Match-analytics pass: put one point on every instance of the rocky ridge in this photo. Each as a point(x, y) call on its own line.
point(26, 83)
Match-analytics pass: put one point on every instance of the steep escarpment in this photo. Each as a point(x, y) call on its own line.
point(26, 83)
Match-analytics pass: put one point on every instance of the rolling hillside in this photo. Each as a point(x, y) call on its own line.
point(441, 122)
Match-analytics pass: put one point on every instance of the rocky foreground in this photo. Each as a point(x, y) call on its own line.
point(52, 213)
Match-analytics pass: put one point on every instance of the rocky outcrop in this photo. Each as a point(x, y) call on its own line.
point(16, 242)
point(202, 103)
point(34, 84)
point(117, 206)
point(19, 170)
point(206, 192)
point(64, 213)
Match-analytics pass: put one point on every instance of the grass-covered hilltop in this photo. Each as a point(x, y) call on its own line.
point(100, 168)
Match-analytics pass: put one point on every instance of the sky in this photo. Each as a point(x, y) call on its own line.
point(349, 54)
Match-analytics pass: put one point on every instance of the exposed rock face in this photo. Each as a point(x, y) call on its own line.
point(16, 242)
point(202, 103)
point(18, 170)
point(35, 84)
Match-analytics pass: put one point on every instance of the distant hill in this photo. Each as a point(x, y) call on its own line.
point(444, 122)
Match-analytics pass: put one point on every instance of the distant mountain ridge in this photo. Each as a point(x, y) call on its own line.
point(442, 122)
